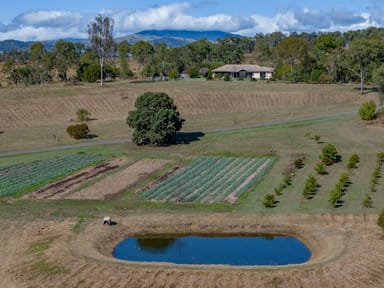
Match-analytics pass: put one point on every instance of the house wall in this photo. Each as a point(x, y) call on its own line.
point(262, 75)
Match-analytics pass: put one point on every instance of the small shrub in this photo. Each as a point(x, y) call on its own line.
point(329, 155)
point(317, 138)
point(299, 163)
point(320, 169)
point(334, 197)
point(367, 111)
point(269, 200)
point(83, 114)
point(307, 134)
point(78, 131)
point(355, 157)
point(310, 186)
point(380, 157)
point(279, 189)
point(227, 77)
point(344, 179)
point(352, 161)
point(288, 179)
point(367, 202)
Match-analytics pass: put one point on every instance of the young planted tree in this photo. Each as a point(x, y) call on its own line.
point(320, 169)
point(269, 200)
point(367, 202)
point(329, 155)
point(155, 120)
point(310, 187)
point(352, 161)
point(100, 34)
point(83, 114)
point(367, 111)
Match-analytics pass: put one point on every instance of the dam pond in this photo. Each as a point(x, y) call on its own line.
point(215, 250)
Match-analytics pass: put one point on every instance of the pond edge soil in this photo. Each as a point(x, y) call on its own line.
point(100, 241)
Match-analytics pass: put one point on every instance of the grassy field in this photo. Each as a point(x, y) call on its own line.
point(30, 114)
point(348, 134)
point(37, 116)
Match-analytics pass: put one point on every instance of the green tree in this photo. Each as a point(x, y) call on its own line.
point(362, 54)
point(37, 51)
point(367, 111)
point(155, 120)
point(100, 34)
point(124, 48)
point(142, 51)
point(378, 79)
point(329, 154)
point(65, 56)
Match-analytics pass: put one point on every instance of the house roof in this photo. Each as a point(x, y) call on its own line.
point(242, 67)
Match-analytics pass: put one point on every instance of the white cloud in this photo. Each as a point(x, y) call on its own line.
point(44, 25)
point(49, 19)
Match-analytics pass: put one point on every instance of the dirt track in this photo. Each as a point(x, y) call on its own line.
point(348, 251)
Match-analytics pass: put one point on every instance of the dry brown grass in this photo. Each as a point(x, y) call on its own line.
point(347, 252)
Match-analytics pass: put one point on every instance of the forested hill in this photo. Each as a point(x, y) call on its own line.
point(173, 38)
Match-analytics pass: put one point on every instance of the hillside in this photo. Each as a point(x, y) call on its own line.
point(173, 38)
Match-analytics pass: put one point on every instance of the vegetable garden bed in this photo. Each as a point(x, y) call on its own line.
point(210, 180)
point(22, 177)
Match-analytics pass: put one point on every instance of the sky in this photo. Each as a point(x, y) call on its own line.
point(38, 20)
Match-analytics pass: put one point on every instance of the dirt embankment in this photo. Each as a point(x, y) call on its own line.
point(348, 251)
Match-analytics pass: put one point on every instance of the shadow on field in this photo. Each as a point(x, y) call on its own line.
point(187, 137)
point(367, 90)
point(91, 136)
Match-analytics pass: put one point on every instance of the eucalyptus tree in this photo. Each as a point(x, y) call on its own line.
point(362, 55)
point(63, 57)
point(37, 51)
point(378, 79)
point(100, 34)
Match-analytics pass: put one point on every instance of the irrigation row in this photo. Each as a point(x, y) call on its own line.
point(209, 180)
point(21, 176)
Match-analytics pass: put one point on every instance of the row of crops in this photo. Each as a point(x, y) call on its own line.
point(22, 177)
point(210, 180)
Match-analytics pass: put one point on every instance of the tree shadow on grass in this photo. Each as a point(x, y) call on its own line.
point(187, 137)
point(91, 136)
point(367, 90)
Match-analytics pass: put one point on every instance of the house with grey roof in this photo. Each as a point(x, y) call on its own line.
point(245, 71)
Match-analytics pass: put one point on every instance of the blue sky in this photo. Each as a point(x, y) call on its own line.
point(54, 19)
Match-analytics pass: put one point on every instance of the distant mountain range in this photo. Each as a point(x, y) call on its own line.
point(173, 38)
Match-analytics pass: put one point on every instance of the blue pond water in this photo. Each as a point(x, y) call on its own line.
point(242, 250)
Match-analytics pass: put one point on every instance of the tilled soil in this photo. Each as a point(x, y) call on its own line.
point(347, 251)
point(107, 187)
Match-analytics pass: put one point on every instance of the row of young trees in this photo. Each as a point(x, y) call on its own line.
point(298, 57)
